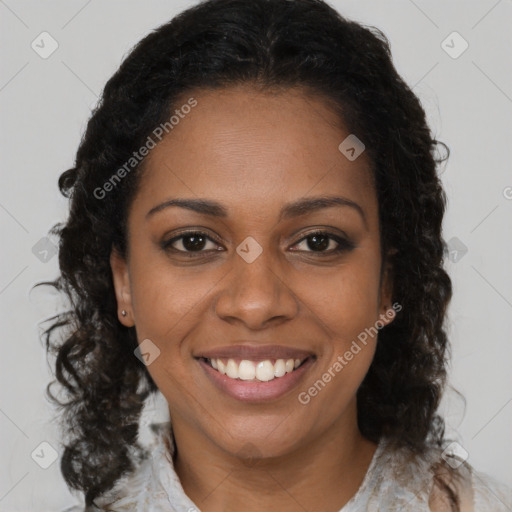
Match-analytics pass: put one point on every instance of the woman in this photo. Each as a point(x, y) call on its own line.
point(255, 231)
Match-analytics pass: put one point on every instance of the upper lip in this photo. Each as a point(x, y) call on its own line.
point(255, 352)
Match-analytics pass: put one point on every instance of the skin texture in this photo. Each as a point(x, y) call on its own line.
point(253, 152)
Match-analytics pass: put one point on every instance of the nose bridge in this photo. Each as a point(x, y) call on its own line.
point(256, 291)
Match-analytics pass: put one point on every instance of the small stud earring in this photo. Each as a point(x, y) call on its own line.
point(123, 312)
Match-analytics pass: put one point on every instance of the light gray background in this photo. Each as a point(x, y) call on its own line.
point(45, 104)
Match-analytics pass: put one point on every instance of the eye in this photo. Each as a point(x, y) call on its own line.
point(319, 241)
point(189, 242)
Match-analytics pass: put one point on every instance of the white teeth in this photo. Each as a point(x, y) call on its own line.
point(232, 369)
point(279, 368)
point(246, 370)
point(262, 370)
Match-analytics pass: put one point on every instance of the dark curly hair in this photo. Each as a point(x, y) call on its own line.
point(270, 44)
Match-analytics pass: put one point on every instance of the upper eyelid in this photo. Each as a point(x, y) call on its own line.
point(184, 234)
point(324, 231)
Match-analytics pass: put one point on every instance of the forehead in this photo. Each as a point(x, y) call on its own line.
point(250, 149)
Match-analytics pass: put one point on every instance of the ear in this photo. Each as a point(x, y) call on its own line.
point(387, 310)
point(121, 278)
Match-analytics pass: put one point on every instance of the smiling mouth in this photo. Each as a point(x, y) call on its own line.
point(254, 371)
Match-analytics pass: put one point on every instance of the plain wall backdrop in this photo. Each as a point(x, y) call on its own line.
point(46, 100)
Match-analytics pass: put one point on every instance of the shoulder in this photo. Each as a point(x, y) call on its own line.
point(126, 494)
point(490, 494)
point(477, 491)
point(140, 489)
point(428, 481)
point(153, 484)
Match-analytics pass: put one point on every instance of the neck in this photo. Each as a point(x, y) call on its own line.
point(322, 474)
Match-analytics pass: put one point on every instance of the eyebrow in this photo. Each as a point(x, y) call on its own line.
point(288, 211)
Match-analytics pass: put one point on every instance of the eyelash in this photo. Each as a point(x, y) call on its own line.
point(344, 245)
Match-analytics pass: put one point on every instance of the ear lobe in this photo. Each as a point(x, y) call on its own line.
point(121, 280)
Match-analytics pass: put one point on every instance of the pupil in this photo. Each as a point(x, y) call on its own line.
point(322, 245)
point(197, 242)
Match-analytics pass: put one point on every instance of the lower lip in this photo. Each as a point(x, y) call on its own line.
point(256, 391)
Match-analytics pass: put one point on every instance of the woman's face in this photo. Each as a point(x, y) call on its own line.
point(257, 277)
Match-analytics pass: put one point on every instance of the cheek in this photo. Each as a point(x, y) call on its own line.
point(346, 299)
point(168, 305)
point(166, 300)
point(348, 313)
point(347, 305)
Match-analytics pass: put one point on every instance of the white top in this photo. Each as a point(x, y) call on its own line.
point(396, 480)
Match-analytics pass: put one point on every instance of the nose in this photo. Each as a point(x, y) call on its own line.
point(256, 294)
